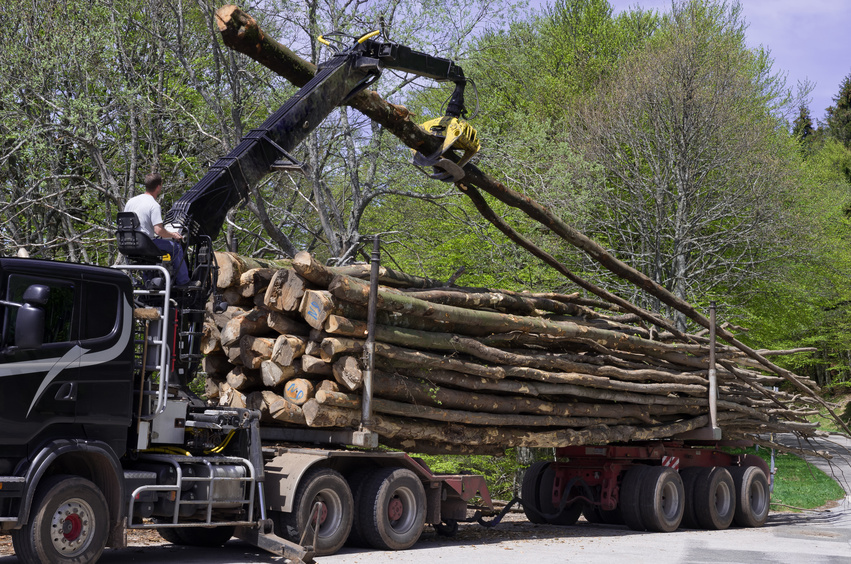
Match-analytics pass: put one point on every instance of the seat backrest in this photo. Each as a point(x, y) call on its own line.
point(133, 242)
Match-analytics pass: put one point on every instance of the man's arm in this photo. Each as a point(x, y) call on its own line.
point(165, 233)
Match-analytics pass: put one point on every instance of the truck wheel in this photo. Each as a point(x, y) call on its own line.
point(689, 477)
point(714, 498)
point(392, 509)
point(203, 536)
point(330, 490)
point(630, 496)
point(68, 523)
point(661, 499)
point(170, 534)
point(568, 515)
point(529, 492)
point(752, 496)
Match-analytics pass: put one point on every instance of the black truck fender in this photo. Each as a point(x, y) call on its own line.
point(92, 460)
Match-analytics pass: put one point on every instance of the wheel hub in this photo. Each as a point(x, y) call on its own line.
point(70, 527)
point(395, 509)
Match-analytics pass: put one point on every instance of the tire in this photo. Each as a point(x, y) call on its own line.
point(568, 515)
point(392, 509)
point(328, 487)
point(753, 496)
point(689, 477)
point(170, 534)
point(356, 481)
point(630, 497)
point(661, 498)
point(714, 498)
point(203, 536)
point(529, 492)
point(69, 523)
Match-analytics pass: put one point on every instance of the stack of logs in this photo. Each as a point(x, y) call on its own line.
point(460, 370)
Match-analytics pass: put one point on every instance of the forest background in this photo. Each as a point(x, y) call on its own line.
point(660, 134)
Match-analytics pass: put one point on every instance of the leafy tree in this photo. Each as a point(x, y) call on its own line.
point(838, 117)
point(694, 169)
point(802, 127)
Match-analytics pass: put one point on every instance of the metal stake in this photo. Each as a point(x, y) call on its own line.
point(369, 347)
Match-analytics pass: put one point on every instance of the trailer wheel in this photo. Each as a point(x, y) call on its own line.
point(203, 536)
point(661, 499)
point(328, 489)
point(392, 509)
point(752, 496)
point(568, 515)
point(630, 496)
point(356, 481)
point(529, 492)
point(714, 498)
point(68, 523)
point(689, 477)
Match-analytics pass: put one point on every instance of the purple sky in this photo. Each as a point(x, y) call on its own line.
point(808, 40)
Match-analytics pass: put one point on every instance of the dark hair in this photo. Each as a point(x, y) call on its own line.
point(152, 181)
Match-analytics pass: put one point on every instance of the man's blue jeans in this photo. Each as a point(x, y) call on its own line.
point(181, 275)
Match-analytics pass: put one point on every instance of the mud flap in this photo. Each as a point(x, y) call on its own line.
point(270, 542)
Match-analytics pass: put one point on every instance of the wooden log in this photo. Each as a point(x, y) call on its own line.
point(254, 350)
point(298, 391)
point(347, 373)
point(286, 290)
point(253, 322)
point(216, 364)
point(315, 366)
point(255, 281)
point(328, 386)
point(287, 348)
point(274, 374)
point(221, 319)
point(229, 397)
point(316, 306)
point(320, 415)
point(233, 298)
point(285, 325)
point(210, 339)
point(313, 348)
point(286, 412)
point(331, 348)
point(234, 354)
point(390, 407)
point(232, 266)
point(213, 388)
point(244, 379)
point(430, 390)
point(305, 264)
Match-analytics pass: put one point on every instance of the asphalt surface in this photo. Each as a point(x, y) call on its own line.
point(814, 537)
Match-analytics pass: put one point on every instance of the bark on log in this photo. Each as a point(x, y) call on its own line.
point(255, 281)
point(232, 266)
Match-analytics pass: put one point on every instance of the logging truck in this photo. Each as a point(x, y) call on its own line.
point(101, 432)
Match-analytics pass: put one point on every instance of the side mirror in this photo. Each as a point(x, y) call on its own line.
point(29, 323)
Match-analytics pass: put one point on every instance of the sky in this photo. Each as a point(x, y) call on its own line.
point(808, 40)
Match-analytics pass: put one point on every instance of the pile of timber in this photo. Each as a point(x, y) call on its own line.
point(470, 369)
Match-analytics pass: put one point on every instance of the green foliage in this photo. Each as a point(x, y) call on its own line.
point(839, 116)
point(500, 472)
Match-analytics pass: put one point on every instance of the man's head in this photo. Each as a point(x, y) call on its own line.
point(153, 184)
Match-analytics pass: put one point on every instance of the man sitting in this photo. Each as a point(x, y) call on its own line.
point(148, 210)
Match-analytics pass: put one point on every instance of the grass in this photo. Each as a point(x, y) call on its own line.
point(798, 484)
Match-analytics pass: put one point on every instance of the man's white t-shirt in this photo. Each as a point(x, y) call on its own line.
point(147, 209)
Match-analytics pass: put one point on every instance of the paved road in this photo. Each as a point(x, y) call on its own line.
point(814, 537)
